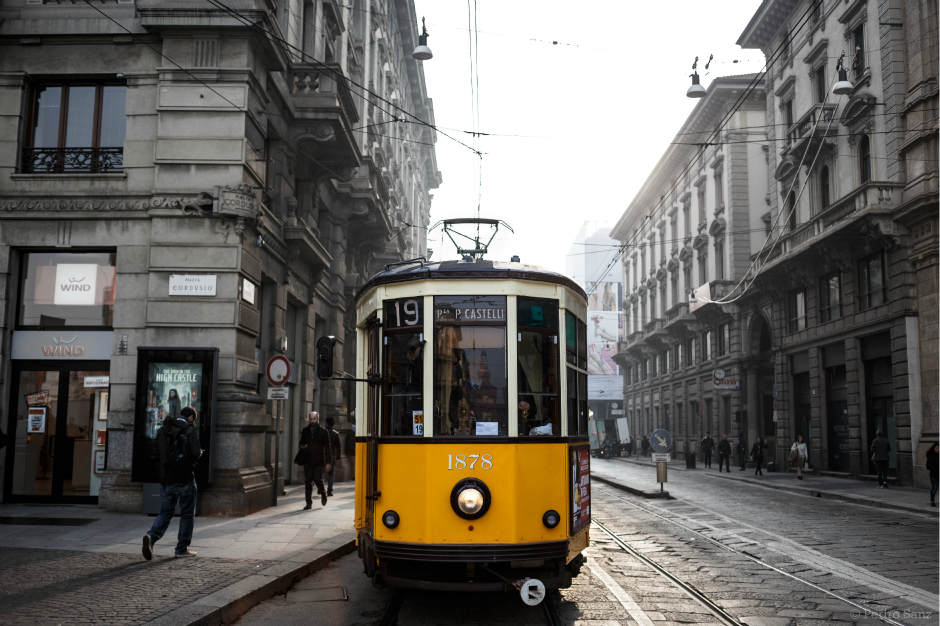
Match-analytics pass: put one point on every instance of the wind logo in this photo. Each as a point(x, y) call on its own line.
point(75, 285)
point(62, 347)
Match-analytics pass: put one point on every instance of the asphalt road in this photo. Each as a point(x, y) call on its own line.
point(768, 558)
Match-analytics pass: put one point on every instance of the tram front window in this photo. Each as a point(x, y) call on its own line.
point(470, 366)
point(538, 367)
point(404, 371)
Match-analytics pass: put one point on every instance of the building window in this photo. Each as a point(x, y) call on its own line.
point(872, 287)
point(787, 46)
point(687, 218)
point(724, 339)
point(642, 312)
point(792, 222)
point(788, 113)
point(662, 299)
point(702, 218)
point(830, 297)
point(687, 271)
point(707, 345)
point(720, 259)
point(67, 289)
point(655, 365)
point(703, 267)
point(864, 159)
point(652, 305)
point(858, 38)
point(675, 288)
point(646, 369)
point(825, 198)
point(690, 351)
point(819, 77)
point(680, 362)
point(719, 192)
point(667, 361)
point(76, 127)
point(796, 310)
point(817, 10)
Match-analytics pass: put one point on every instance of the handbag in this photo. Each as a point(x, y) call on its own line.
point(794, 456)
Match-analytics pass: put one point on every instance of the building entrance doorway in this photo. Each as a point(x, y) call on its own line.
point(880, 400)
point(804, 418)
point(58, 427)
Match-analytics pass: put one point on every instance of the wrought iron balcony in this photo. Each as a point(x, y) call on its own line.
point(68, 160)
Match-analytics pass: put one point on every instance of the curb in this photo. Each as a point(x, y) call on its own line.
point(833, 495)
point(226, 605)
point(652, 494)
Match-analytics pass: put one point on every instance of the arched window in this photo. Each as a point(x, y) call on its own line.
point(791, 211)
point(824, 197)
point(864, 159)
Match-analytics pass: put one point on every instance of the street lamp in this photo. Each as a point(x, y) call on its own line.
point(422, 52)
point(842, 87)
point(696, 90)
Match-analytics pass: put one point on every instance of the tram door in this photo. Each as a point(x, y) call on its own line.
point(373, 366)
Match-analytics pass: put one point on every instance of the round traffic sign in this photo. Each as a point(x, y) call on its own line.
point(532, 591)
point(661, 440)
point(278, 370)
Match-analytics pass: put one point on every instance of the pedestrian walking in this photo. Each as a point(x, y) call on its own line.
point(608, 449)
point(316, 455)
point(880, 455)
point(757, 455)
point(645, 445)
point(177, 450)
point(933, 456)
point(742, 451)
point(724, 453)
point(334, 447)
point(798, 455)
point(708, 444)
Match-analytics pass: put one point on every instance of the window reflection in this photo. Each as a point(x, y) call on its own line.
point(404, 376)
point(538, 367)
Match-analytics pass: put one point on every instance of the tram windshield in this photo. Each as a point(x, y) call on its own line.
point(470, 366)
point(538, 382)
point(404, 371)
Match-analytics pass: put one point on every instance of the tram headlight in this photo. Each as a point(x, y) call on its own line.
point(390, 519)
point(470, 498)
point(551, 519)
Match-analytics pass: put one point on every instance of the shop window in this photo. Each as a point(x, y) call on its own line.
point(872, 287)
point(403, 400)
point(67, 289)
point(537, 369)
point(470, 366)
point(796, 310)
point(76, 127)
point(830, 297)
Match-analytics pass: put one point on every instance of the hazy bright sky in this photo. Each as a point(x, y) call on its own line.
point(598, 109)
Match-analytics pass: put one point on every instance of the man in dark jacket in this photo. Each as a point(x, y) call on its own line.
point(645, 444)
point(318, 457)
point(176, 449)
point(724, 453)
point(334, 447)
point(742, 451)
point(708, 444)
point(881, 449)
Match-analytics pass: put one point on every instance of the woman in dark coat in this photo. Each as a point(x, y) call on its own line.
point(933, 456)
point(757, 455)
point(173, 404)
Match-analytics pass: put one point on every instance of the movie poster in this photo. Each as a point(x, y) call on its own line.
point(580, 488)
point(171, 386)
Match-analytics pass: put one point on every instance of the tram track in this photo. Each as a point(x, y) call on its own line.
point(549, 607)
point(699, 597)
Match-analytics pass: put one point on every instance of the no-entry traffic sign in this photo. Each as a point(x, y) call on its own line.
point(278, 370)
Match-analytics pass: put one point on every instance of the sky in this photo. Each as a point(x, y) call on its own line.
point(592, 113)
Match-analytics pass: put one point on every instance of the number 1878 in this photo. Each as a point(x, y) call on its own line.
point(465, 461)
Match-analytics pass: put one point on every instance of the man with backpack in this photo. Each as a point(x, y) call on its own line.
point(316, 455)
point(177, 450)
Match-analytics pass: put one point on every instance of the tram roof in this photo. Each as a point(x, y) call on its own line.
point(479, 269)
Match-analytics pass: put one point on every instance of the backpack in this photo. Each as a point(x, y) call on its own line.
point(179, 464)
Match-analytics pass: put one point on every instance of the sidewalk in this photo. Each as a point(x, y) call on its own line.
point(82, 565)
point(846, 489)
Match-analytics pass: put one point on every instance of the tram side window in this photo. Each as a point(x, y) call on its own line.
point(537, 370)
point(576, 356)
point(404, 370)
point(470, 366)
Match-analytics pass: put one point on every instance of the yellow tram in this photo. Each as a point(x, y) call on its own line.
point(472, 453)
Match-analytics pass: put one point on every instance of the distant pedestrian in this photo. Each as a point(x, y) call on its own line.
point(724, 454)
point(799, 459)
point(645, 445)
point(708, 444)
point(334, 446)
point(742, 451)
point(176, 449)
point(933, 455)
point(317, 455)
point(608, 449)
point(881, 449)
point(757, 455)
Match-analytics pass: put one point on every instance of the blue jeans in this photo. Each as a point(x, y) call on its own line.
point(934, 485)
point(169, 494)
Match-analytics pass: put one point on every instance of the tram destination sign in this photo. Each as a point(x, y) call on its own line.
point(470, 309)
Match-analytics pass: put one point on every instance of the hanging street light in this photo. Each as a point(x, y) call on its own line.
point(842, 87)
point(422, 52)
point(696, 90)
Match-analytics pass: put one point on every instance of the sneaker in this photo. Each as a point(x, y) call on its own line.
point(180, 555)
point(323, 499)
point(308, 507)
point(147, 550)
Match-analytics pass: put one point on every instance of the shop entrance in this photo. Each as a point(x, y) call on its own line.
point(58, 426)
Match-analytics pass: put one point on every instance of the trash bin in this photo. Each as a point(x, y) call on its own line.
point(771, 467)
point(690, 460)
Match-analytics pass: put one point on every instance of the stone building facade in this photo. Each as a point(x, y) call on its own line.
point(225, 180)
point(690, 367)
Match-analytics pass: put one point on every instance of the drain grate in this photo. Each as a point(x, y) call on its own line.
point(47, 521)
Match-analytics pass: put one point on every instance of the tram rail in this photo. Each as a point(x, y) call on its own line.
point(390, 617)
point(873, 612)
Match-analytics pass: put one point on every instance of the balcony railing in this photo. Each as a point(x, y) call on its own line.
point(68, 160)
point(805, 124)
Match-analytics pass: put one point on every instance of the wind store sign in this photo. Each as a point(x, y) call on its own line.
point(75, 345)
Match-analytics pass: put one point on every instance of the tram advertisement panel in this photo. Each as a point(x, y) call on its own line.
point(580, 488)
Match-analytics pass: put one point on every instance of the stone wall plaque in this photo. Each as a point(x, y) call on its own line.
point(193, 284)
